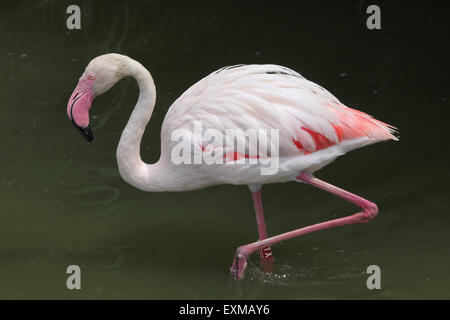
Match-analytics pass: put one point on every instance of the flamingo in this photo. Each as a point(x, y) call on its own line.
point(313, 127)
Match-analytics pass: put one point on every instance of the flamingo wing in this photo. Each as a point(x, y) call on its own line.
point(309, 118)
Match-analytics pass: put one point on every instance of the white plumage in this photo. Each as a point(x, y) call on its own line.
point(270, 97)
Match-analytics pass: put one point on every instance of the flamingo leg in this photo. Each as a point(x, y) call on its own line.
point(369, 211)
point(265, 254)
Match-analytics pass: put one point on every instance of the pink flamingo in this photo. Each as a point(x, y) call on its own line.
point(314, 129)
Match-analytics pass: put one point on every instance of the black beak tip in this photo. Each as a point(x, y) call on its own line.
point(86, 132)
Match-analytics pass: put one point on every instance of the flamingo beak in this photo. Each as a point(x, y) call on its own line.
point(78, 109)
point(86, 132)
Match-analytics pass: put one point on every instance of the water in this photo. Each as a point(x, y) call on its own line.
point(63, 201)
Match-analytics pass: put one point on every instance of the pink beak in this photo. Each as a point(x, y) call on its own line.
point(78, 108)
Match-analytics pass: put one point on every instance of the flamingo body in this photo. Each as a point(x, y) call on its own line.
point(314, 127)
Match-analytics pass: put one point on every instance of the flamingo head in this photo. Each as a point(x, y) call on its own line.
point(100, 75)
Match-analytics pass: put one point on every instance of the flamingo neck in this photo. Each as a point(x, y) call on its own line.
point(131, 167)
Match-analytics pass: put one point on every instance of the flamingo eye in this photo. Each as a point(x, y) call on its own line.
point(91, 77)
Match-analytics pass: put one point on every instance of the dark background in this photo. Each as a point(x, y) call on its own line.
point(63, 201)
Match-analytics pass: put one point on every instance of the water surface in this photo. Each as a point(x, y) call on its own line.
point(63, 201)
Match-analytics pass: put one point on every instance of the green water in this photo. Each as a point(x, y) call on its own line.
point(63, 202)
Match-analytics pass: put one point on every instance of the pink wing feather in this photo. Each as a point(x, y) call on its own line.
point(273, 97)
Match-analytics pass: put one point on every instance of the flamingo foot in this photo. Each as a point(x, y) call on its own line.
point(239, 265)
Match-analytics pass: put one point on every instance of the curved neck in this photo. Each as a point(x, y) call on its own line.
point(131, 167)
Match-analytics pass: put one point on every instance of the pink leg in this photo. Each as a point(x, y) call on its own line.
point(369, 211)
point(265, 253)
